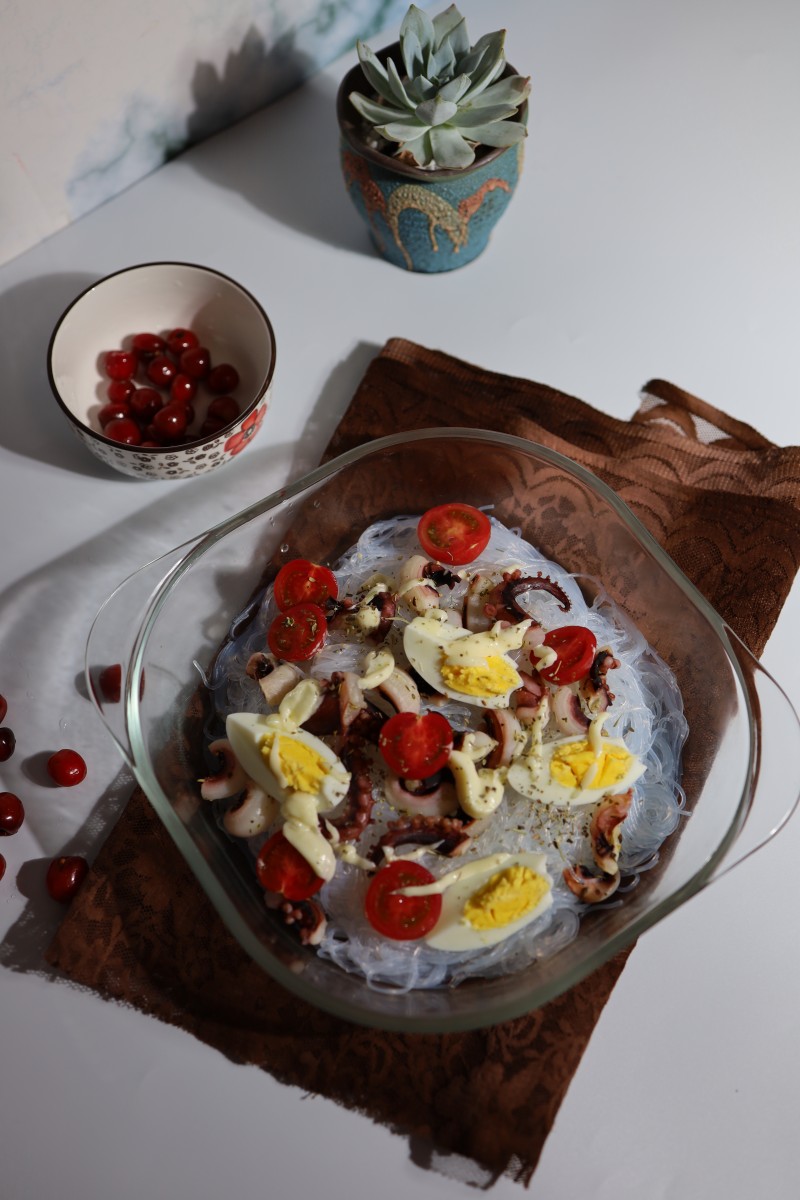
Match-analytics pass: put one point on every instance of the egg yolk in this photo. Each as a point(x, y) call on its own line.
point(570, 763)
point(303, 769)
point(490, 678)
point(507, 896)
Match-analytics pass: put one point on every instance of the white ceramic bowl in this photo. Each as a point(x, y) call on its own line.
point(157, 297)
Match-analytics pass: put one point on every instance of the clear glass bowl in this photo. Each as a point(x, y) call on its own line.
point(741, 760)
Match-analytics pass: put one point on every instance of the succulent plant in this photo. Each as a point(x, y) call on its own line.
point(451, 97)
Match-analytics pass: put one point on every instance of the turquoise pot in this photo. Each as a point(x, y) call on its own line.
point(423, 220)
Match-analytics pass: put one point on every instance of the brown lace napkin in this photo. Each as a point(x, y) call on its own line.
point(724, 503)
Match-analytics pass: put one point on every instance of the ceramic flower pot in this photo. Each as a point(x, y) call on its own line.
point(423, 220)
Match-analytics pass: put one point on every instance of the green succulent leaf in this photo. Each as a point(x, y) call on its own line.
point(376, 114)
point(455, 89)
point(450, 149)
point(436, 111)
point(473, 118)
point(491, 65)
point(416, 40)
point(420, 149)
point(511, 90)
point(488, 50)
point(420, 89)
point(441, 63)
point(451, 25)
point(374, 71)
point(499, 133)
point(397, 87)
point(403, 130)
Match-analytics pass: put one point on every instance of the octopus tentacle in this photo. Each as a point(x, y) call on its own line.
point(590, 888)
point(357, 812)
point(305, 918)
point(449, 834)
point(502, 604)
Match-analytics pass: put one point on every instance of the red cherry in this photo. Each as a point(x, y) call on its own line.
point(145, 403)
point(181, 339)
point(7, 743)
point(12, 814)
point(66, 768)
point(124, 430)
point(212, 425)
point(222, 379)
point(110, 681)
point(3, 708)
point(196, 361)
point(120, 364)
point(170, 421)
point(183, 389)
point(120, 391)
point(225, 408)
point(65, 875)
point(117, 411)
point(2, 866)
point(161, 371)
point(148, 344)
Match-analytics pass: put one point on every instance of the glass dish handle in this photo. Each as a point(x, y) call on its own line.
point(110, 645)
point(776, 783)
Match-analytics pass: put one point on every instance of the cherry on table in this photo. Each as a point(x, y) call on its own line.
point(110, 683)
point(65, 875)
point(7, 743)
point(12, 813)
point(3, 708)
point(2, 866)
point(66, 768)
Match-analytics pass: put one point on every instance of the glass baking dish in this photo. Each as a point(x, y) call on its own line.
point(172, 616)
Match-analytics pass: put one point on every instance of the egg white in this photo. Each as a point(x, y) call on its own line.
point(428, 642)
point(454, 932)
point(246, 732)
point(532, 778)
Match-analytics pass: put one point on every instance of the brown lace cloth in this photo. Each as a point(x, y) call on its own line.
point(724, 503)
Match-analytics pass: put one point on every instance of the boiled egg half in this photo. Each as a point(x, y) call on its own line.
point(284, 760)
point(486, 901)
point(472, 667)
point(574, 771)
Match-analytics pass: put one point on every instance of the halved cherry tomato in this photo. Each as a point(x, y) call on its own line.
point(281, 868)
point(304, 582)
point(575, 646)
point(454, 533)
point(298, 632)
point(403, 918)
point(416, 745)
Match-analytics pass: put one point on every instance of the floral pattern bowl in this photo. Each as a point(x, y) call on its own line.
point(158, 297)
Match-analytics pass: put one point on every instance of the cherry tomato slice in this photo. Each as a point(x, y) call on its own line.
point(297, 633)
point(454, 533)
point(416, 745)
point(304, 582)
point(402, 918)
point(575, 646)
point(281, 868)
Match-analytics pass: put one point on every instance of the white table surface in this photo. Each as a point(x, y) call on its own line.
point(656, 232)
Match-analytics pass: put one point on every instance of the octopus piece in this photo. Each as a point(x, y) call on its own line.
point(401, 691)
point(502, 603)
point(567, 711)
point(448, 834)
point(441, 576)
point(504, 727)
point(386, 605)
point(605, 831)
point(473, 613)
point(356, 814)
point(305, 918)
point(275, 680)
point(595, 692)
point(591, 889)
point(325, 717)
point(415, 591)
point(254, 813)
point(351, 697)
point(434, 797)
point(474, 742)
point(231, 777)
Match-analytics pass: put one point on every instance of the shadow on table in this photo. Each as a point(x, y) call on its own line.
point(49, 613)
point(294, 176)
point(33, 425)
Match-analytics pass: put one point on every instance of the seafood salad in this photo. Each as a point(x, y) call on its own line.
point(437, 754)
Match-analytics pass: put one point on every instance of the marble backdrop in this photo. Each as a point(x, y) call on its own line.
point(95, 94)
